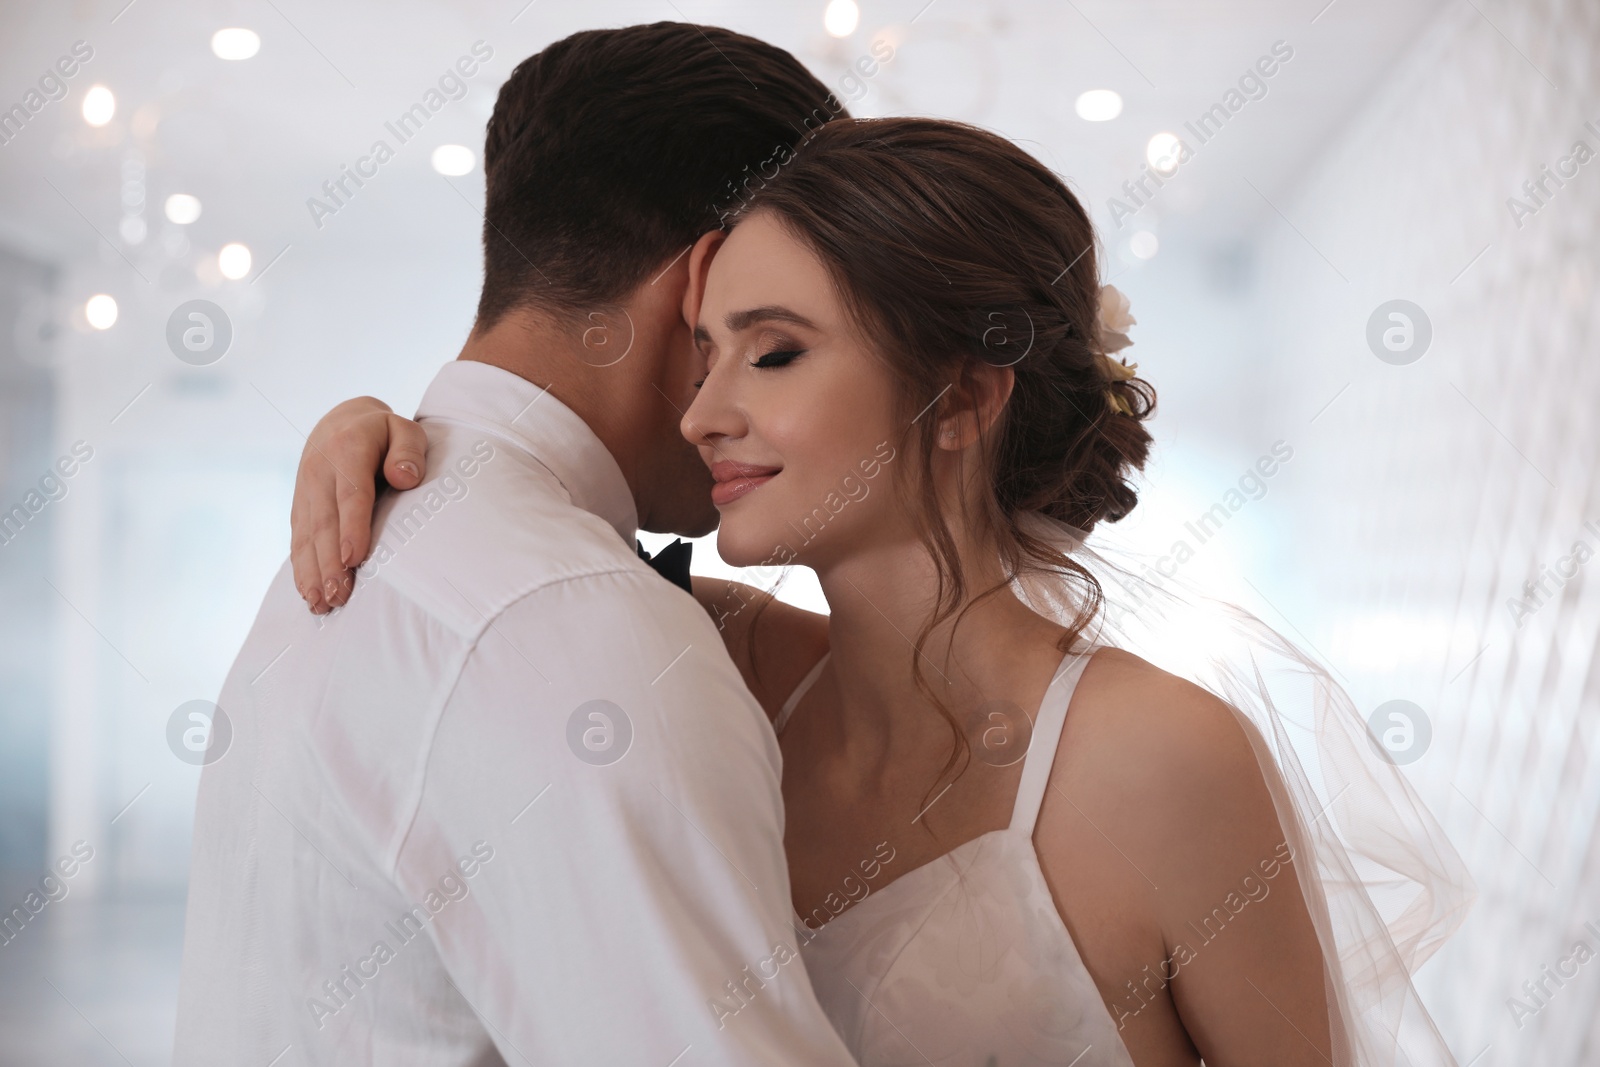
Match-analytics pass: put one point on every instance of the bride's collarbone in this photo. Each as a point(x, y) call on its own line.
point(843, 846)
point(913, 805)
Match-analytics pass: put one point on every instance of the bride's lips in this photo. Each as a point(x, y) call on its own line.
point(734, 480)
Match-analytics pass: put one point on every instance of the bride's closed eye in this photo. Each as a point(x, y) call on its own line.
point(778, 357)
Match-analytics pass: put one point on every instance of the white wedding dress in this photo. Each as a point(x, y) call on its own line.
point(965, 961)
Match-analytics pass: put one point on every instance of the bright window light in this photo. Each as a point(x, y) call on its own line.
point(1162, 153)
point(453, 160)
point(101, 311)
point(1099, 105)
point(182, 208)
point(234, 261)
point(841, 17)
point(235, 43)
point(98, 105)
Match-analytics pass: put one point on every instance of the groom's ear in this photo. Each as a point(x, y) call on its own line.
point(700, 256)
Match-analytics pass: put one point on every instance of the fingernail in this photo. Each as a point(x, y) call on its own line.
point(407, 466)
point(346, 551)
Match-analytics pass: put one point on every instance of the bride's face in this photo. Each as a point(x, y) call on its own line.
point(796, 416)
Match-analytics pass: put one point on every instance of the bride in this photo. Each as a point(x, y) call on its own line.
point(1009, 841)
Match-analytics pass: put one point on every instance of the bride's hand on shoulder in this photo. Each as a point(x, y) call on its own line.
point(335, 488)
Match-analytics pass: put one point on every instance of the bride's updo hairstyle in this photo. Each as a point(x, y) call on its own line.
point(950, 246)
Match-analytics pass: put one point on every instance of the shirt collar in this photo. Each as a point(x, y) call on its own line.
point(529, 415)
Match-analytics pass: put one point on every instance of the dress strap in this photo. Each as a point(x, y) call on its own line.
point(799, 693)
point(1046, 737)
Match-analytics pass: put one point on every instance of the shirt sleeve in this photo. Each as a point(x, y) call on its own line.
point(601, 826)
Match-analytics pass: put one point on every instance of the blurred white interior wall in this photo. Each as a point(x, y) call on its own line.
point(180, 518)
point(27, 409)
point(1432, 491)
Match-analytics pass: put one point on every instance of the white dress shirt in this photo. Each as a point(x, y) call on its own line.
point(421, 845)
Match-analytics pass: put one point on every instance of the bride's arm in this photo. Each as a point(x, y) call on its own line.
point(773, 643)
point(1164, 852)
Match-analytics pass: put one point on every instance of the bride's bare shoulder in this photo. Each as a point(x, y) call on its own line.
point(1164, 762)
point(1126, 706)
point(773, 643)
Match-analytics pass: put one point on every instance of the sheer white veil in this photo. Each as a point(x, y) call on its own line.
point(1383, 884)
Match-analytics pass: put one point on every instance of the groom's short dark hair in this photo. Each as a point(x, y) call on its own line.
point(612, 150)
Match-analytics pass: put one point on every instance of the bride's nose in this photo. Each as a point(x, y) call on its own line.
point(714, 415)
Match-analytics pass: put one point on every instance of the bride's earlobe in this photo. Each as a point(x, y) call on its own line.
point(976, 405)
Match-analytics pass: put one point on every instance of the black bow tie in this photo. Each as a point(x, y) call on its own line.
point(672, 563)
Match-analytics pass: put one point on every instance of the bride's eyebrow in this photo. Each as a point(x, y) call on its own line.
point(743, 320)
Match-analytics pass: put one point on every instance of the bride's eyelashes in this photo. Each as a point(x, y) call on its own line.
point(779, 358)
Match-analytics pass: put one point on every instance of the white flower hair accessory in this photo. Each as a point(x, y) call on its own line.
point(1111, 335)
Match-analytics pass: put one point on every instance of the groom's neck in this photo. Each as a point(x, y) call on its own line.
point(541, 349)
point(550, 354)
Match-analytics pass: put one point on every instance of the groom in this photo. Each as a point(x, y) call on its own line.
point(513, 804)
